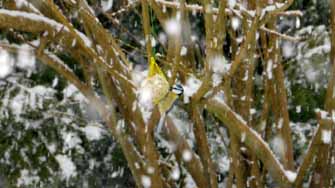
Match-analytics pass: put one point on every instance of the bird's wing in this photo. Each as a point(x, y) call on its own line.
point(166, 103)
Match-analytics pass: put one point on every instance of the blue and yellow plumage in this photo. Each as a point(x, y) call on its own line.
point(159, 87)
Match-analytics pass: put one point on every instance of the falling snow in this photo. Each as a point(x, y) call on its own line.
point(278, 146)
point(183, 51)
point(106, 5)
point(146, 181)
point(6, 63)
point(326, 136)
point(288, 49)
point(219, 64)
point(173, 27)
point(298, 109)
point(231, 3)
point(191, 87)
point(187, 155)
point(175, 174)
point(235, 23)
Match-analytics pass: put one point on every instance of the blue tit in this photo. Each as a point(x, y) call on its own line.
point(167, 102)
point(155, 89)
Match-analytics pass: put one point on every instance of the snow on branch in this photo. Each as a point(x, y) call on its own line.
point(28, 22)
point(238, 13)
point(199, 8)
point(252, 140)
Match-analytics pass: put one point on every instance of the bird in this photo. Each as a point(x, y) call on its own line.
point(169, 100)
point(156, 89)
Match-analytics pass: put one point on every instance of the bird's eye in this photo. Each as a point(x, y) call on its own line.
point(177, 89)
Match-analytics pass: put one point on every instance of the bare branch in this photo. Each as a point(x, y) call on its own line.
point(253, 141)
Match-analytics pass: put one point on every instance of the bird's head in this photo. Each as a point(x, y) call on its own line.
point(177, 89)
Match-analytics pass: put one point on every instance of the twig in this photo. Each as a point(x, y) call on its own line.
point(311, 153)
point(231, 12)
point(198, 8)
point(280, 35)
point(237, 126)
point(124, 9)
point(202, 144)
point(193, 166)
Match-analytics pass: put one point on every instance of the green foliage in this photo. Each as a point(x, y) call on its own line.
point(308, 100)
point(306, 73)
point(40, 127)
point(317, 10)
